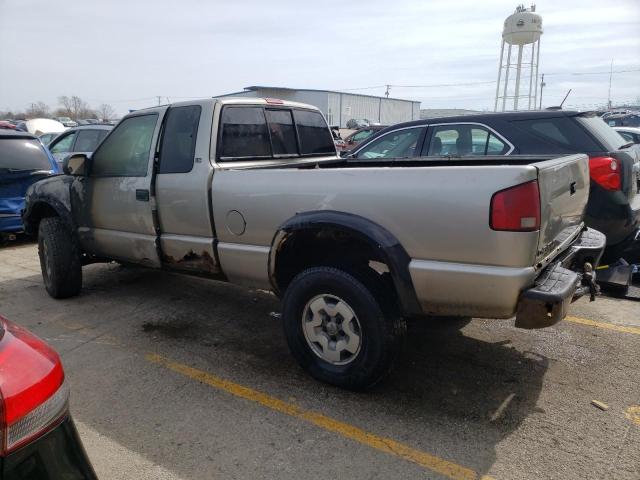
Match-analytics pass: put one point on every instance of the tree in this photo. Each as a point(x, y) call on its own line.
point(105, 112)
point(38, 110)
point(75, 107)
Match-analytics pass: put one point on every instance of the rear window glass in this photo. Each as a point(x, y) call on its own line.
point(611, 139)
point(563, 132)
point(314, 133)
point(179, 139)
point(88, 140)
point(283, 134)
point(262, 133)
point(244, 133)
point(23, 154)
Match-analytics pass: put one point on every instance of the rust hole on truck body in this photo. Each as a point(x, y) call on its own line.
point(192, 262)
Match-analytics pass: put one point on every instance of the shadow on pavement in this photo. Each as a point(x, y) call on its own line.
point(450, 395)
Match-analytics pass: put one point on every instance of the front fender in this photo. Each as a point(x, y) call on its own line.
point(47, 196)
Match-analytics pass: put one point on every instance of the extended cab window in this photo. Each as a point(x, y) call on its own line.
point(315, 137)
point(125, 153)
point(464, 140)
point(244, 133)
point(179, 139)
point(398, 144)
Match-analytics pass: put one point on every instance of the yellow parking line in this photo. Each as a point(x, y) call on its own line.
point(387, 445)
point(606, 326)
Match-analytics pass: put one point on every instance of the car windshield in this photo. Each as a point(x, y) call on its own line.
point(23, 154)
point(611, 139)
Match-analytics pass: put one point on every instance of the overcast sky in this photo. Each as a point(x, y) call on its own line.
point(126, 52)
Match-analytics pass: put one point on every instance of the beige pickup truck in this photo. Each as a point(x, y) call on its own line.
point(251, 191)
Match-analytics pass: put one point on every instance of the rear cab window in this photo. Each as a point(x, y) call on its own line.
point(18, 154)
point(265, 132)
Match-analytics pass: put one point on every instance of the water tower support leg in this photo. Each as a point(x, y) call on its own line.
point(535, 94)
point(506, 78)
point(495, 107)
point(518, 71)
point(533, 56)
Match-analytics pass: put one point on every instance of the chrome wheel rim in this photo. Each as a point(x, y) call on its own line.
point(331, 329)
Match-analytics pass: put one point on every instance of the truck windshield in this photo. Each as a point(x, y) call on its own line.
point(22, 154)
point(611, 139)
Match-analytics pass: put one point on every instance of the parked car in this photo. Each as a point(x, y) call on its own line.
point(82, 139)
point(624, 120)
point(47, 138)
point(6, 124)
point(23, 161)
point(67, 122)
point(359, 136)
point(39, 438)
point(614, 202)
point(251, 191)
point(38, 126)
point(355, 123)
point(631, 134)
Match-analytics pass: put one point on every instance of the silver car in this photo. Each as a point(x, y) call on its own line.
point(83, 139)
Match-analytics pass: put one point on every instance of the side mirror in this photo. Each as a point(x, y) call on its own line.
point(77, 165)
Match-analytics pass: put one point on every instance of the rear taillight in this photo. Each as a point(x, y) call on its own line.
point(605, 171)
point(33, 393)
point(516, 209)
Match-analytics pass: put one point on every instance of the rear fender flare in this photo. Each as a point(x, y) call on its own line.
point(383, 241)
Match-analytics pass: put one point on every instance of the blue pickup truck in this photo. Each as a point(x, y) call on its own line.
point(23, 161)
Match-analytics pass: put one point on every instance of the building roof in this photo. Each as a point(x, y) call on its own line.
point(263, 87)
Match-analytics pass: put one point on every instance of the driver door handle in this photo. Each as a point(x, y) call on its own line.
point(142, 195)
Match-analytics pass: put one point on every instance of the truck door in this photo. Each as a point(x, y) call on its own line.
point(115, 204)
point(183, 184)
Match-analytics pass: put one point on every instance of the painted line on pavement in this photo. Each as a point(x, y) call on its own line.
point(426, 460)
point(603, 325)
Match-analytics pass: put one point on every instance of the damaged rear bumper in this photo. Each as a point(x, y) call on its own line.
point(569, 277)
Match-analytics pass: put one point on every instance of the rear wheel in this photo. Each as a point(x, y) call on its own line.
point(338, 330)
point(60, 260)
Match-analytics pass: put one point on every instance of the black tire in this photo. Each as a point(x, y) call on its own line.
point(60, 259)
point(382, 329)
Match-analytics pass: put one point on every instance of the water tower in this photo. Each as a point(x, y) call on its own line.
point(522, 29)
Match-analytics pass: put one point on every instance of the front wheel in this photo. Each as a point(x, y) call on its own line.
point(60, 259)
point(338, 330)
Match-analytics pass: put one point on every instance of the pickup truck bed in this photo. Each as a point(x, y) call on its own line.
point(251, 191)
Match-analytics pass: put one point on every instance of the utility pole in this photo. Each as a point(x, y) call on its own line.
point(542, 85)
point(609, 95)
point(387, 92)
point(159, 99)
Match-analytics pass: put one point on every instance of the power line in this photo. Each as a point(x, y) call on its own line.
point(488, 82)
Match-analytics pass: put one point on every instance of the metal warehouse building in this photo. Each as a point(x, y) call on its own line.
point(340, 107)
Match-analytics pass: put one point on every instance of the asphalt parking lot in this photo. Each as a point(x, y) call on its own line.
point(176, 377)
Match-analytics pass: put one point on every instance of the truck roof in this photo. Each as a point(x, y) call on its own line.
point(274, 102)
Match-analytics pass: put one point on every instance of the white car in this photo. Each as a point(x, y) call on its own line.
point(631, 134)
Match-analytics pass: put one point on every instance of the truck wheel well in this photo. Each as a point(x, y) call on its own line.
point(39, 211)
point(332, 247)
